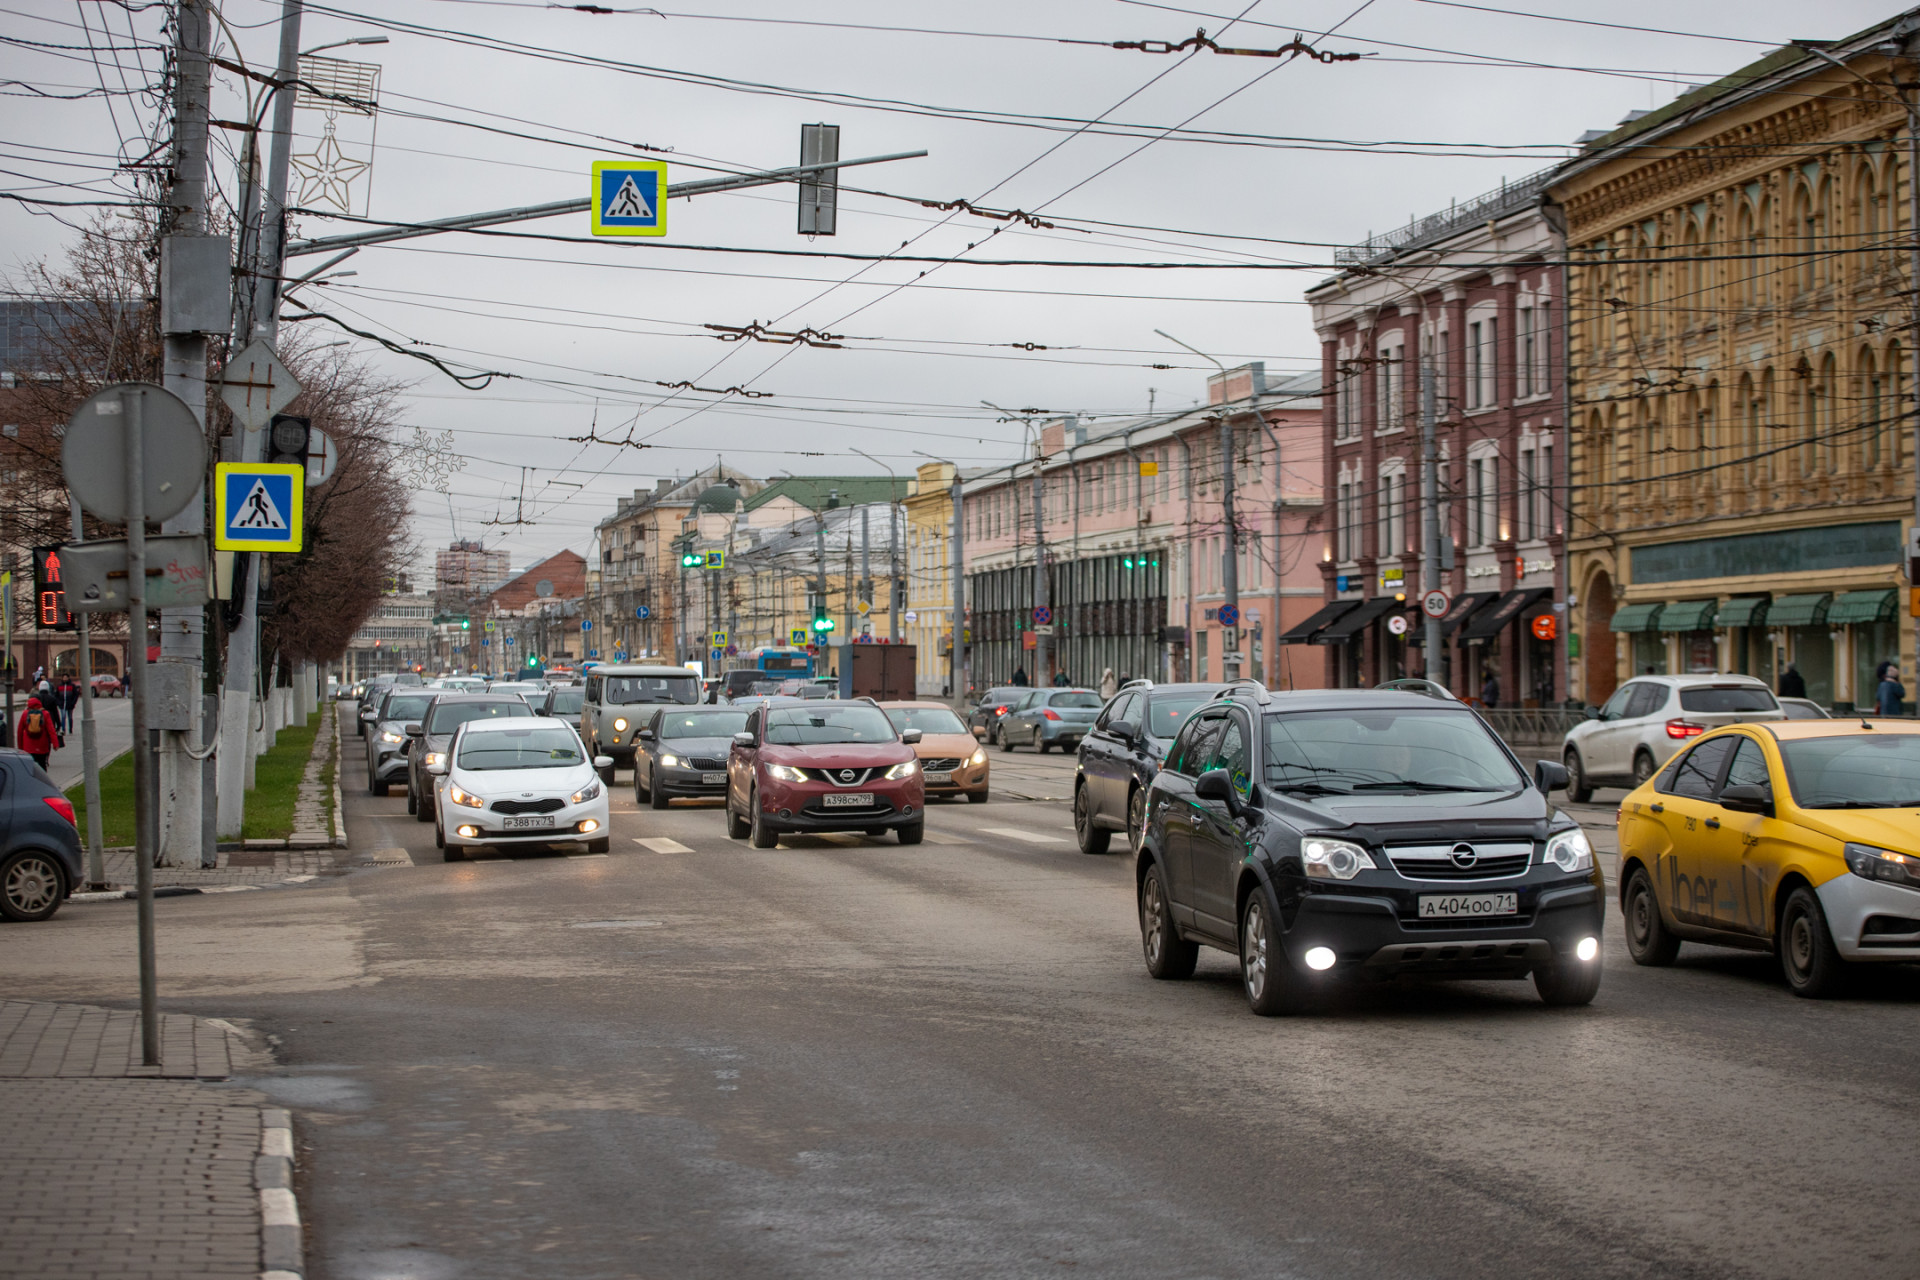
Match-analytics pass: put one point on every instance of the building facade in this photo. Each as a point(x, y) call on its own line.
point(464, 571)
point(929, 577)
point(1740, 332)
point(398, 637)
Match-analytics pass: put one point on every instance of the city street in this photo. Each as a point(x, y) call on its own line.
point(846, 1057)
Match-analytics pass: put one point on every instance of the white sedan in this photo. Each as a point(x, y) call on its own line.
point(519, 782)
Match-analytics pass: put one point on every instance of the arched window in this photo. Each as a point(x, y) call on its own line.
point(1899, 411)
point(1867, 211)
point(1802, 228)
point(1826, 423)
point(1760, 442)
point(1807, 416)
point(1759, 270)
point(1873, 424)
point(1690, 308)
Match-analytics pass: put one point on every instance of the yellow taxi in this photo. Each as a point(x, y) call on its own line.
point(1796, 837)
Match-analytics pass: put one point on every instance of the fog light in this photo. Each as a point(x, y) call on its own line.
point(1587, 948)
point(1320, 957)
point(469, 832)
point(589, 825)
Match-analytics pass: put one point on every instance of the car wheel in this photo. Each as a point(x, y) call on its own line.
point(1006, 743)
point(452, 853)
point(439, 836)
point(31, 886)
point(1093, 839)
point(377, 788)
point(1265, 975)
point(759, 835)
point(913, 832)
point(1649, 941)
point(1579, 790)
point(1808, 958)
point(641, 794)
point(1040, 745)
point(737, 826)
point(656, 798)
point(606, 774)
point(976, 797)
point(603, 845)
point(1169, 956)
point(1573, 982)
point(1643, 767)
point(422, 807)
point(413, 805)
point(1136, 817)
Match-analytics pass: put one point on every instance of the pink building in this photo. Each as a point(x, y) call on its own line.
point(1132, 522)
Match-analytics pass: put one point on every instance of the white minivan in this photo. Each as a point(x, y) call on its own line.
point(1648, 719)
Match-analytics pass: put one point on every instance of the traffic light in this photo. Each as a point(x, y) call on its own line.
point(692, 560)
point(466, 624)
point(287, 438)
point(822, 623)
point(49, 591)
point(532, 661)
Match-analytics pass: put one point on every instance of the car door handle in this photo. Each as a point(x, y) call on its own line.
point(1713, 823)
point(1657, 808)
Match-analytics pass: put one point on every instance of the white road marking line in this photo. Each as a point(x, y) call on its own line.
point(577, 857)
point(1031, 837)
point(660, 844)
point(941, 837)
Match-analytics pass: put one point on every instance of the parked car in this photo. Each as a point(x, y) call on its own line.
point(823, 766)
point(433, 732)
point(682, 753)
point(387, 741)
point(1048, 718)
point(39, 846)
point(1648, 719)
point(517, 782)
point(1804, 709)
point(993, 704)
point(1784, 837)
point(1353, 834)
point(620, 697)
point(108, 687)
point(952, 763)
point(1121, 753)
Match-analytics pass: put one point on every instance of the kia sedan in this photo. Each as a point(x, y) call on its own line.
point(519, 782)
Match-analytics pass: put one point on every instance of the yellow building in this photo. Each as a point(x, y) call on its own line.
point(929, 574)
point(1742, 473)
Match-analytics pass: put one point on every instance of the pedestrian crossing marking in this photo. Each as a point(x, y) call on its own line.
point(628, 202)
point(661, 844)
point(257, 510)
point(1031, 837)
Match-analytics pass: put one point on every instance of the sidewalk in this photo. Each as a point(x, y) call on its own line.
point(112, 720)
point(109, 1174)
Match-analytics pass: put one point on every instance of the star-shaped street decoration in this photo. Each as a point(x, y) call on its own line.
point(327, 173)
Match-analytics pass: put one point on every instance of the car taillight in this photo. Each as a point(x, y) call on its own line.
point(62, 806)
point(1050, 714)
point(999, 711)
point(1684, 729)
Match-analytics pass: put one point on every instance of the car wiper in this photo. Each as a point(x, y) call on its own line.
point(1414, 784)
point(1867, 804)
point(1310, 788)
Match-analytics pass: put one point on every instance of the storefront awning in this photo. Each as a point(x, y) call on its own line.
point(1636, 617)
point(1798, 611)
point(1304, 632)
point(1861, 606)
point(1743, 611)
point(1355, 621)
point(1489, 622)
point(1457, 613)
point(1688, 615)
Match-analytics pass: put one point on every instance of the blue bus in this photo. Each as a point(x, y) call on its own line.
point(768, 662)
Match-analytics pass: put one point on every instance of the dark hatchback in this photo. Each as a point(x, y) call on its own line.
point(683, 753)
point(429, 737)
point(1120, 755)
point(1355, 834)
point(39, 847)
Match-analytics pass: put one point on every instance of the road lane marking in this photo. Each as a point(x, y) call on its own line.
point(576, 857)
point(660, 844)
point(941, 837)
point(1031, 837)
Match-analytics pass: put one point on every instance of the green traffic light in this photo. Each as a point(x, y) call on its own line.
point(466, 623)
point(823, 624)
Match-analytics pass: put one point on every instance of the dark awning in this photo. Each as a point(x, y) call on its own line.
point(1457, 613)
point(1861, 606)
point(1743, 611)
point(1688, 615)
point(1358, 619)
point(1489, 621)
point(1636, 617)
point(1799, 611)
point(1303, 633)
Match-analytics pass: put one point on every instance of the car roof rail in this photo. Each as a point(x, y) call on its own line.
point(1261, 693)
point(1142, 683)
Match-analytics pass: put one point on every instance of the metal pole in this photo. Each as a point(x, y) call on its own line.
point(866, 564)
point(956, 662)
point(1042, 643)
point(143, 849)
point(1913, 292)
point(1430, 511)
point(89, 743)
point(1230, 571)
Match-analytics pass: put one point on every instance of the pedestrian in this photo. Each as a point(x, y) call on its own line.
point(1060, 680)
point(1792, 683)
point(37, 734)
point(1108, 685)
point(70, 696)
point(1891, 693)
point(1490, 691)
point(1880, 672)
point(1019, 678)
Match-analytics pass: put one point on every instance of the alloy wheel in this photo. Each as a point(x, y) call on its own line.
point(1254, 949)
point(1151, 928)
point(1136, 818)
point(32, 885)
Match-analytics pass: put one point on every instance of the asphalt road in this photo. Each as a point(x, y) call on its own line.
point(843, 1057)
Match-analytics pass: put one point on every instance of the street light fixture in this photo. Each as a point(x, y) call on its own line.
point(894, 602)
point(1230, 562)
point(1041, 596)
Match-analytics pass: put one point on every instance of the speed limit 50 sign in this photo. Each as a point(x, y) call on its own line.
point(1435, 604)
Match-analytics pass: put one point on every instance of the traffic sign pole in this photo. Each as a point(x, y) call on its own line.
point(89, 742)
point(142, 758)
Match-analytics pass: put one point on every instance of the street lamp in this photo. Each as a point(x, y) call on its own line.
point(1041, 598)
point(337, 44)
point(1230, 570)
point(893, 550)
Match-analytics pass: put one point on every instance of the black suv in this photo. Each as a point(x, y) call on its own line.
point(1359, 834)
point(1120, 755)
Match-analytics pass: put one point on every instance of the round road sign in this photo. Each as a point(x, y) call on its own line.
point(1229, 615)
point(1042, 616)
point(173, 451)
point(1435, 604)
point(1397, 624)
point(323, 457)
point(643, 613)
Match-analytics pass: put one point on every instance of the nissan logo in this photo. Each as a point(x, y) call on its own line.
point(1464, 855)
point(848, 775)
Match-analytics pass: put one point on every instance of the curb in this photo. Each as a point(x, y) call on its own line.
point(339, 804)
point(281, 1254)
point(178, 890)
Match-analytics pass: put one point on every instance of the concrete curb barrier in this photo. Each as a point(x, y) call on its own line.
point(282, 1254)
point(339, 805)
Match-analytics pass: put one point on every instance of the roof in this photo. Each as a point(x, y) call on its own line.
point(720, 497)
point(567, 571)
point(812, 491)
point(1838, 727)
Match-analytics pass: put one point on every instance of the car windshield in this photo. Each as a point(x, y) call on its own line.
point(1724, 698)
point(926, 719)
point(511, 686)
point(528, 748)
point(1167, 713)
point(624, 691)
point(1340, 752)
point(449, 716)
point(995, 697)
point(1078, 698)
point(803, 726)
point(1797, 710)
point(1857, 771)
point(703, 724)
point(567, 702)
point(406, 706)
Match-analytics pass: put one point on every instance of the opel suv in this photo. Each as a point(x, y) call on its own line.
point(823, 766)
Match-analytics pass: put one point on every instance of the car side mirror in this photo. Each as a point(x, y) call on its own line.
point(980, 733)
point(1125, 730)
point(1549, 776)
point(438, 768)
point(1214, 784)
point(1747, 797)
point(646, 735)
point(911, 736)
point(603, 762)
point(415, 730)
point(743, 739)
point(1593, 713)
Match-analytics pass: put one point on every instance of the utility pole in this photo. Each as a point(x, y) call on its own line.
point(1230, 571)
point(957, 672)
point(89, 739)
point(896, 592)
point(1042, 642)
point(866, 564)
point(1430, 514)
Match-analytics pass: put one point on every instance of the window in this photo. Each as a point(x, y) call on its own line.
point(1528, 481)
point(1698, 776)
point(1483, 499)
point(1389, 397)
point(1195, 744)
point(1478, 334)
point(1523, 356)
point(1392, 504)
point(1749, 767)
point(1342, 511)
point(1230, 753)
point(1647, 700)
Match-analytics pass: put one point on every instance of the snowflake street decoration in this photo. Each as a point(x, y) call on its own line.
point(337, 171)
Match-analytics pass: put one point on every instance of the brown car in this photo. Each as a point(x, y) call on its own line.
point(951, 761)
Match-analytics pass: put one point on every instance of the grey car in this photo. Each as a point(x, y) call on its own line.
point(1048, 718)
point(432, 732)
point(39, 847)
point(683, 753)
point(387, 736)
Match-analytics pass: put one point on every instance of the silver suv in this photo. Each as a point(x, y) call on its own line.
point(619, 699)
point(1648, 719)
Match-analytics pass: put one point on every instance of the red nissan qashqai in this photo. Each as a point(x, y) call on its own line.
point(805, 766)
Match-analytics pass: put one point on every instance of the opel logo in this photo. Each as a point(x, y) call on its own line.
point(1464, 855)
point(848, 775)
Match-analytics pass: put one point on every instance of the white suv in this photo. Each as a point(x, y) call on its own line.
point(1648, 719)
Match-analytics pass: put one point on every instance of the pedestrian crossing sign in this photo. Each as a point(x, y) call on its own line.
point(629, 198)
point(260, 506)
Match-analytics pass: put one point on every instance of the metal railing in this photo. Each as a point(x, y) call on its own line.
point(1435, 225)
point(1531, 727)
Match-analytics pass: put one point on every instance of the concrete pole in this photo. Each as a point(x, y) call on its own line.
point(896, 594)
point(866, 562)
point(1230, 571)
point(1041, 642)
point(1430, 513)
point(957, 673)
point(144, 851)
point(89, 739)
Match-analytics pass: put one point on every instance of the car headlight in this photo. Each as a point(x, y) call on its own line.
point(1569, 851)
point(978, 757)
point(1334, 859)
point(669, 761)
point(905, 769)
point(785, 773)
point(433, 758)
point(1883, 864)
point(619, 726)
point(390, 736)
point(460, 797)
point(589, 792)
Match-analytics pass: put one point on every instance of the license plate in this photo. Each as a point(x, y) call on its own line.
point(847, 799)
point(938, 777)
point(712, 779)
point(1454, 906)
point(532, 820)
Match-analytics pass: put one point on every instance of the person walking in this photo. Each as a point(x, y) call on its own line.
point(69, 703)
point(1792, 683)
point(1891, 693)
point(1019, 677)
point(1060, 680)
point(37, 734)
point(1490, 691)
point(1108, 685)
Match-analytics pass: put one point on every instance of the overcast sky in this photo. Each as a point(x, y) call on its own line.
point(588, 329)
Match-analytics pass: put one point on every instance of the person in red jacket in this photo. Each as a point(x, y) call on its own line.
point(37, 734)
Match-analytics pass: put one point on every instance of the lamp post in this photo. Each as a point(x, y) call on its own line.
point(1230, 569)
point(1041, 596)
point(895, 596)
